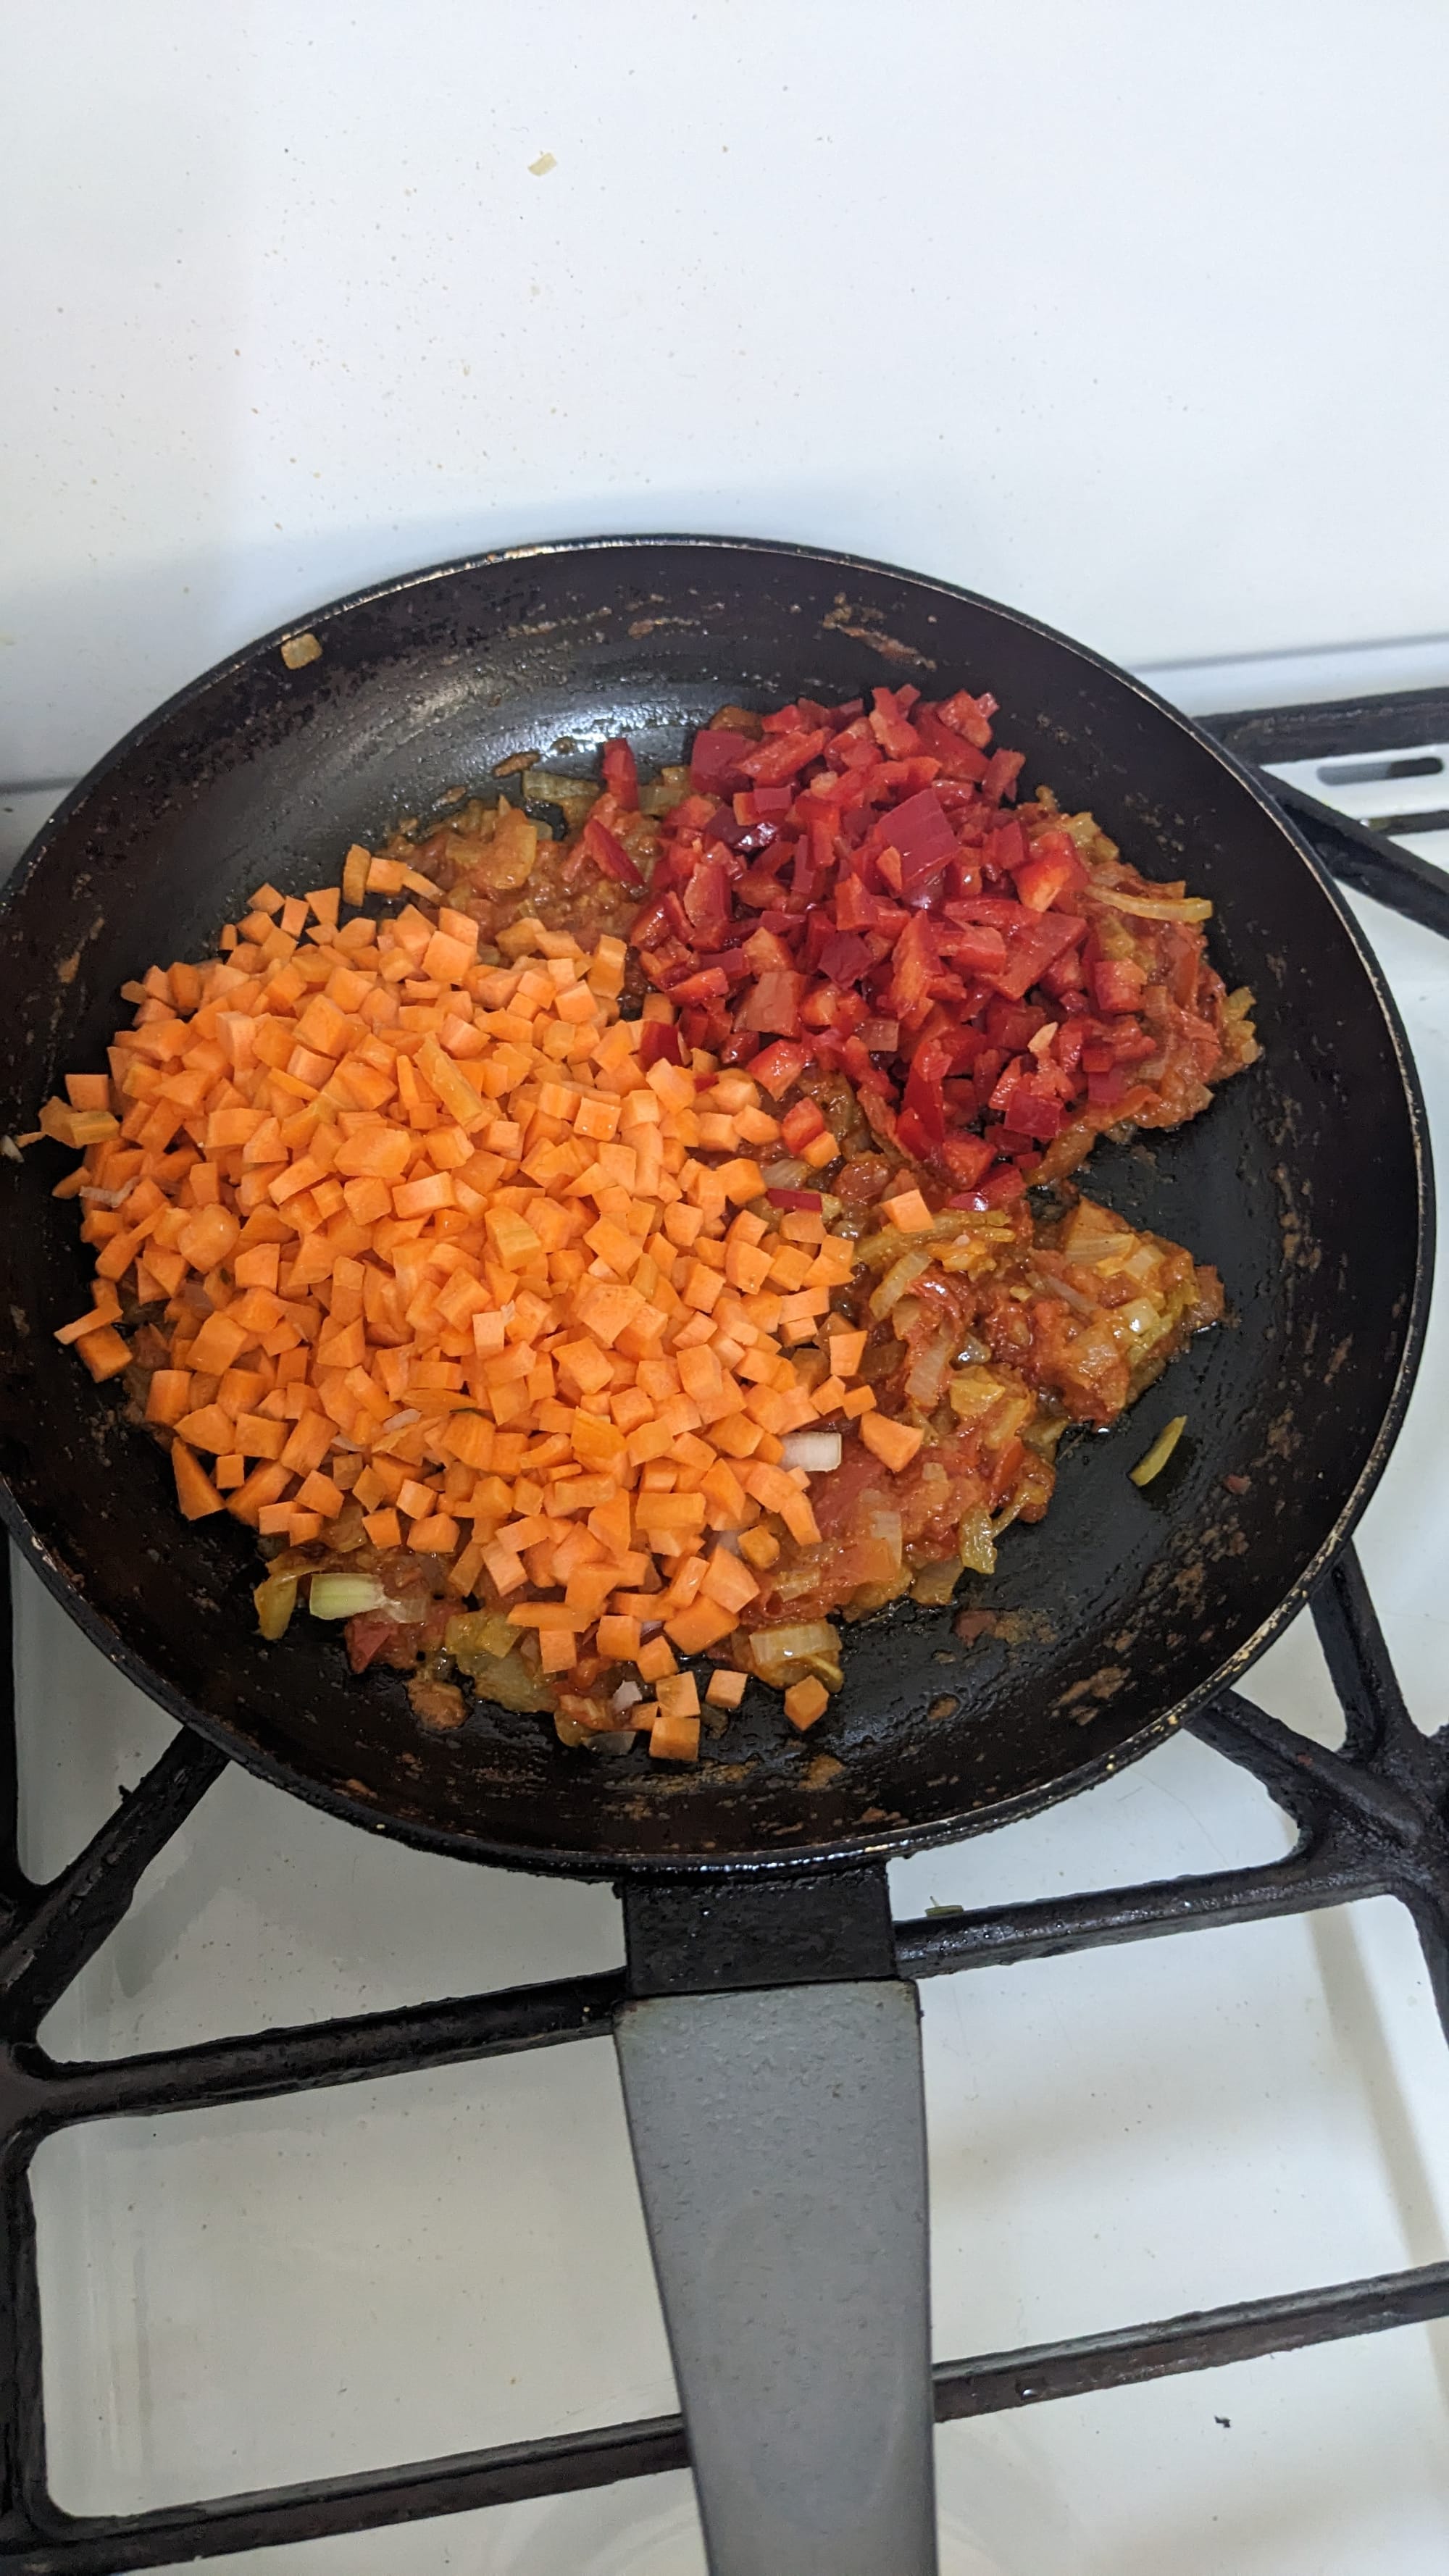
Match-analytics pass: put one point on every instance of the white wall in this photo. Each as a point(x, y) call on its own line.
point(1130, 313)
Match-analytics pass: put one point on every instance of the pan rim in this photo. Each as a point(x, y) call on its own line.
point(885, 1842)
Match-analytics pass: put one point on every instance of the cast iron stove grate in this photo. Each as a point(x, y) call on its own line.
point(1372, 1819)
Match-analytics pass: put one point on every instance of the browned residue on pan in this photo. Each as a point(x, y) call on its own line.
point(642, 627)
point(1101, 1685)
point(857, 624)
point(821, 1771)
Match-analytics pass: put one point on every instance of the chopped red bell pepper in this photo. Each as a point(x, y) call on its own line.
point(621, 777)
point(967, 1159)
point(716, 759)
point(609, 854)
point(914, 960)
point(1117, 984)
point(660, 1043)
point(801, 1122)
point(777, 1066)
point(793, 1198)
point(920, 831)
point(782, 757)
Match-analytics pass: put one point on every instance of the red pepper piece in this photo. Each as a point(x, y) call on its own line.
point(1040, 882)
point(716, 759)
point(864, 1072)
point(621, 777)
point(660, 1043)
point(890, 724)
point(914, 960)
point(1105, 1090)
point(782, 757)
point(920, 831)
point(958, 759)
point(773, 1008)
point(802, 1121)
point(930, 1065)
point(765, 952)
point(777, 1066)
point(977, 946)
point(1117, 984)
point(999, 777)
point(707, 898)
point(793, 1198)
point(967, 1159)
point(968, 716)
point(1034, 1111)
point(1044, 937)
point(914, 1136)
point(609, 854)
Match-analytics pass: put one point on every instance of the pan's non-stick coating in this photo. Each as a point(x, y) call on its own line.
point(1306, 1183)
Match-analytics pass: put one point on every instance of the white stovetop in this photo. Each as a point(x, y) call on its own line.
point(395, 2270)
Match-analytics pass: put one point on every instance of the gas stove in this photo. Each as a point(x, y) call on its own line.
point(302, 2247)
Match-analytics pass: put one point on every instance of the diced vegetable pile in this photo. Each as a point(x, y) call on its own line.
point(554, 1323)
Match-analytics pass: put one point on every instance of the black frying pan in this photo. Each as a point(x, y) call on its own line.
point(770, 2056)
point(1307, 1183)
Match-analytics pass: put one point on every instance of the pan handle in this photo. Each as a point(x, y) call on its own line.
point(780, 2140)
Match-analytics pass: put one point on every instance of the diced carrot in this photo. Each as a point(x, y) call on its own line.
point(805, 1701)
point(195, 1492)
point(727, 1582)
point(104, 1352)
point(674, 1739)
point(88, 1090)
point(703, 1624)
point(894, 1443)
point(217, 1345)
point(908, 1212)
point(444, 1196)
point(168, 1395)
point(726, 1689)
point(677, 1695)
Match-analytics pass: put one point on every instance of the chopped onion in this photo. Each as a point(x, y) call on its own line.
point(897, 1280)
point(275, 1599)
point(786, 1175)
point(1160, 1451)
point(343, 1596)
point(935, 1584)
point(10, 1150)
point(781, 1655)
point(931, 1367)
point(626, 1696)
point(976, 1545)
point(816, 1451)
point(480, 1632)
point(1185, 907)
point(400, 1422)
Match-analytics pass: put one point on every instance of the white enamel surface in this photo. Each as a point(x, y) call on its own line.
point(1116, 314)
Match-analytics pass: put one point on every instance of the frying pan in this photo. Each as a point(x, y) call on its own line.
point(1306, 1182)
